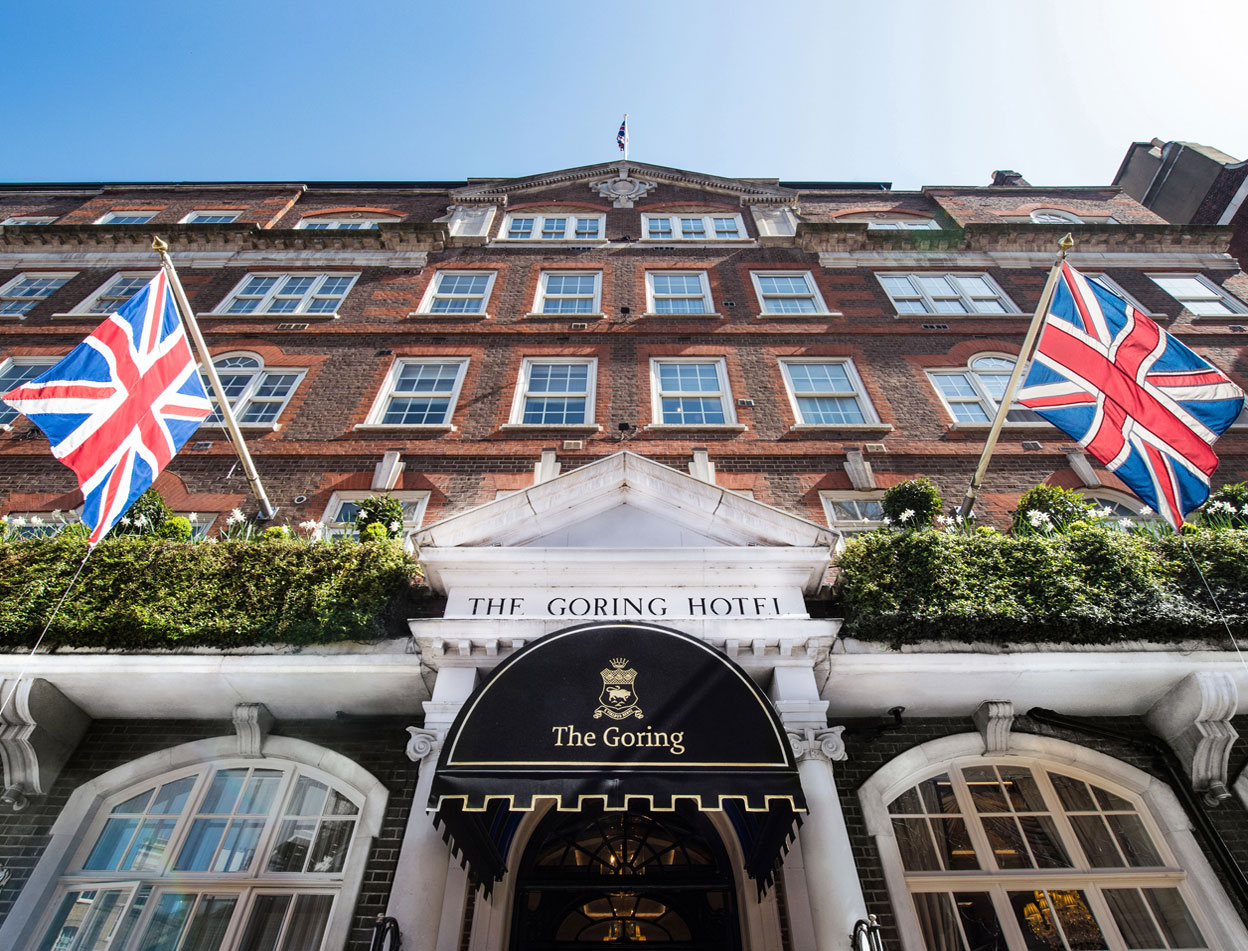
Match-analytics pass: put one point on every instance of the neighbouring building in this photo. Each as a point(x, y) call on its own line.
point(631, 413)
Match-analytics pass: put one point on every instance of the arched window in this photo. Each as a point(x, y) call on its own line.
point(1119, 508)
point(973, 392)
point(1030, 854)
point(256, 394)
point(1055, 216)
point(236, 855)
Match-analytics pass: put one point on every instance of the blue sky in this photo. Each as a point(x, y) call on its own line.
point(922, 92)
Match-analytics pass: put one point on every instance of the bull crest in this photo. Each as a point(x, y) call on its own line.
point(618, 699)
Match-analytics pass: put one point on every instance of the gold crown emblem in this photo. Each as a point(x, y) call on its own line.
point(619, 663)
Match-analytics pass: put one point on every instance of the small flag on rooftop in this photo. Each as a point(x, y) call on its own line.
point(621, 137)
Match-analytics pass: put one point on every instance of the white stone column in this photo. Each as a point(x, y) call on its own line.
point(419, 888)
point(832, 884)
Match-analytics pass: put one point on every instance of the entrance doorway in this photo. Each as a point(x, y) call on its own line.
point(625, 878)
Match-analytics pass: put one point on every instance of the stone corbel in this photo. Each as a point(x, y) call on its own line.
point(39, 729)
point(252, 724)
point(774, 221)
point(1194, 717)
point(994, 719)
point(827, 745)
point(422, 743)
point(859, 470)
point(470, 224)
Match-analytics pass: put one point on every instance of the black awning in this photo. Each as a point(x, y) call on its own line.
point(618, 716)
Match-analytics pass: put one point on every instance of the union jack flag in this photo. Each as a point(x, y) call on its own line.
point(1135, 398)
point(120, 404)
point(621, 137)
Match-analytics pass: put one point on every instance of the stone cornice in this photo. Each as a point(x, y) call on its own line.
point(854, 236)
point(388, 236)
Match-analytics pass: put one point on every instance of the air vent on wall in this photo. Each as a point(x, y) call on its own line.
point(573, 444)
point(935, 326)
point(875, 447)
point(292, 326)
point(1032, 444)
point(579, 326)
point(1237, 328)
point(202, 444)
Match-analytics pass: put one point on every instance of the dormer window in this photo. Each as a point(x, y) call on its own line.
point(693, 227)
point(560, 226)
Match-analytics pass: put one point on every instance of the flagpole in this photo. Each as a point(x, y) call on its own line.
point(223, 403)
point(1007, 398)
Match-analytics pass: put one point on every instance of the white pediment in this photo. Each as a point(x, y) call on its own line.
point(747, 191)
point(625, 516)
point(665, 507)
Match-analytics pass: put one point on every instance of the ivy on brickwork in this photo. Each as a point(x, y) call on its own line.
point(145, 592)
point(1063, 579)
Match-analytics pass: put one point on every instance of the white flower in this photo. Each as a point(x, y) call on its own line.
point(210, 541)
point(906, 515)
point(125, 520)
point(1219, 506)
point(886, 520)
point(56, 513)
point(192, 516)
point(1125, 524)
point(1245, 508)
point(1145, 511)
point(36, 520)
point(944, 520)
point(395, 526)
point(1038, 518)
point(18, 521)
point(140, 520)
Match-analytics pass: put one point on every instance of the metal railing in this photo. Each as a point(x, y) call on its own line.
point(866, 936)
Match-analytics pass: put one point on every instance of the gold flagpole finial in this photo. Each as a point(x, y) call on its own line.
point(160, 246)
point(1066, 244)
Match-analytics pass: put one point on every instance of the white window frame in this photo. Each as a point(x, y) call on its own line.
point(883, 221)
point(411, 521)
point(341, 222)
point(967, 300)
point(539, 302)
point(6, 291)
point(572, 221)
point(1228, 300)
point(86, 306)
point(433, 294)
point(382, 403)
point(858, 392)
point(845, 526)
point(194, 216)
point(708, 305)
point(986, 401)
point(44, 363)
point(18, 221)
point(707, 218)
point(1055, 216)
point(522, 394)
point(241, 403)
point(73, 835)
point(112, 216)
point(1157, 806)
point(724, 392)
point(812, 291)
point(1117, 289)
point(305, 301)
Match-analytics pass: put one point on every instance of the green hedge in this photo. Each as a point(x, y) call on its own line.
point(141, 593)
point(1094, 586)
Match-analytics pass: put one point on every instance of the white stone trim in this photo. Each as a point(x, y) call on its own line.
point(67, 836)
point(1218, 919)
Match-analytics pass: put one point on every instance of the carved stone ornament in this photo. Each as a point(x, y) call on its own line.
point(1194, 717)
point(623, 190)
point(826, 745)
point(252, 723)
point(39, 729)
point(422, 743)
point(994, 719)
point(774, 220)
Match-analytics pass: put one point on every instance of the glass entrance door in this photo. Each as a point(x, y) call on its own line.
point(624, 878)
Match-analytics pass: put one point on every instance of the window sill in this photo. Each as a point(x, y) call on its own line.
point(694, 242)
point(1012, 315)
point(404, 427)
point(561, 427)
point(430, 315)
point(573, 317)
point(703, 427)
point(984, 427)
point(854, 427)
point(654, 315)
point(806, 316)
point(266, 315)
point(553, 242)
